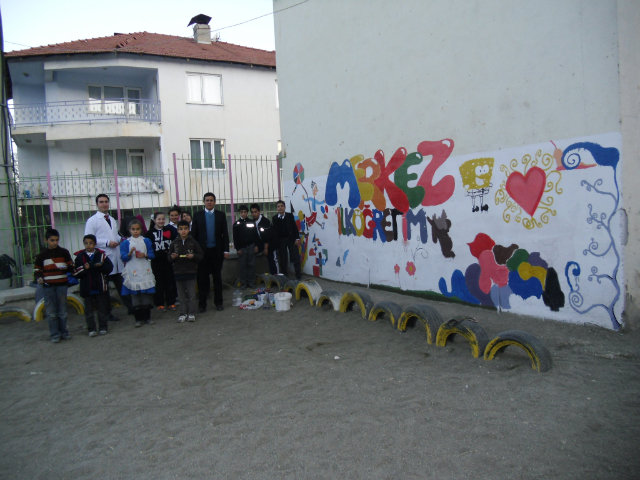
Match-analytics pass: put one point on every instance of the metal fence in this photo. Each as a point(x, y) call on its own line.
point(66, 202)
point(113, 110)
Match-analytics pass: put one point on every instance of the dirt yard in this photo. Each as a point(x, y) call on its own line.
point(313, 393)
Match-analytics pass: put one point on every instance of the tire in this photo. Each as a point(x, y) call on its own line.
point(21, 313)
point(290, 286)
point(279, 280)
point(428, 316)
point(540, 357)
point(72, 299)
point(263, 278)
point(38, 311)
point(360, 297)
point(331, 297)
point(312, 289)
point(469, 329)
point(391, 309)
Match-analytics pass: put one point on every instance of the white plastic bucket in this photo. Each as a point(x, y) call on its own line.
point(283, 301)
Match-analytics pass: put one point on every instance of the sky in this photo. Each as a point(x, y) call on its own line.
point(32, 23)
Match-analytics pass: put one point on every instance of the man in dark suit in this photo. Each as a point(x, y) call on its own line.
point(287, 237)
point(209, 229)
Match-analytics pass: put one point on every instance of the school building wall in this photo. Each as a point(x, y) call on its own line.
point(482, 151)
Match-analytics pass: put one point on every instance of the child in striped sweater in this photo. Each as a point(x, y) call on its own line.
point(50, 269)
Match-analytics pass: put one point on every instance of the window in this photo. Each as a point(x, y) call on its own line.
point(277, 96)
point(206, 89)
point(127, 161)
point(205, 152)
point(114, 100)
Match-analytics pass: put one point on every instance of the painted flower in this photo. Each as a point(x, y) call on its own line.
point(411, 268)
point(396, 269)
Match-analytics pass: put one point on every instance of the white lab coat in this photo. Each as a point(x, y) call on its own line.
point(98, 226)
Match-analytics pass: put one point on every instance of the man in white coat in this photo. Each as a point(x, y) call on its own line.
point(105, 228)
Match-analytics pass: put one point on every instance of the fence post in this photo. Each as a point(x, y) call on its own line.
point(175, 177)
point(53, 222)
point(115, 176)
point(233, 215)
point(278, 175)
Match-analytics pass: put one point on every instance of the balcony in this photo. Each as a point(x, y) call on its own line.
point(85, 111)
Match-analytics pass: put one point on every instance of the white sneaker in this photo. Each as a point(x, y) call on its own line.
point(192, 318)
point(93, 333)
point(182, 318)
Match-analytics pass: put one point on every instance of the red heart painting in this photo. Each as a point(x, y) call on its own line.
point(526, 190)
point(166, 234)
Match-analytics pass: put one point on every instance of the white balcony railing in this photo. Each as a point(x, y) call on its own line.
point(85, 111)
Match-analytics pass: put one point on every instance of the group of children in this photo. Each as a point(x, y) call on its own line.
point(154, 265)
point(160, 265)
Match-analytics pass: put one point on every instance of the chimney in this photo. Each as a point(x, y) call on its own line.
point(201, 29)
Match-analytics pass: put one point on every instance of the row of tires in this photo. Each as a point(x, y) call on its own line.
point(437, 330)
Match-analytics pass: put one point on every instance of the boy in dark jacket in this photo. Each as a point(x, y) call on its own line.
point(287, 237)
point(92, 267)
point(50, 269)
point(185, 255)
point(245, 241)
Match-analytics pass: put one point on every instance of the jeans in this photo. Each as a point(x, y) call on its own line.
point(96, 305)
point(247, 265)
point(55, 304)
point(187, 296)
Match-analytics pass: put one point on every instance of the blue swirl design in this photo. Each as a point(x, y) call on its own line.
point(606, 157)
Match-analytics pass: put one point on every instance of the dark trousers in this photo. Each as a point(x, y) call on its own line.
point(165, 283)
point(272, 258)
point(141, 304)
point(116, 278)
point(247, 266)
point(187, 296)
point(96, 305)
point(211, 264)
point(287, 248)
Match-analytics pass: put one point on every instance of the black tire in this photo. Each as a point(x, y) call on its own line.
point(311, 288)
point(360, 297)
point(467, 328)
point(391, 309)
point(290, 286)
point(540, 357)
point(279, 280)
point(264, 278)
point(427, 315)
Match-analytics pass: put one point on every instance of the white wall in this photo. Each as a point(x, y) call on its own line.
point(492, 80)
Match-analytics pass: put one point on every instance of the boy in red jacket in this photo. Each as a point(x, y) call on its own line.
point(50, 269)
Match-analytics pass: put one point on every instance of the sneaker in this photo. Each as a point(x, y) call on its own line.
point(138, 324)
point(103, 332)
point(171, 307)
point(149, 322)
point(93, 333)
point(192, 318)
point(161, 309)
point(55, 340)
point(182, 318)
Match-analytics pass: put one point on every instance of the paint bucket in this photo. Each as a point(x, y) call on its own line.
point(283, 301)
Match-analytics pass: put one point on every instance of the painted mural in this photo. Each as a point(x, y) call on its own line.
point(512, 229)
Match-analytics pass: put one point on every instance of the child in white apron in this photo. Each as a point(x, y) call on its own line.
point(137, 278)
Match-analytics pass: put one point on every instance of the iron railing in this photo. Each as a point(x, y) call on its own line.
point(66, 202)
point(85, 111)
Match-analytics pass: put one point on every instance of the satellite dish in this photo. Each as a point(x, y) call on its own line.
point(216, 37)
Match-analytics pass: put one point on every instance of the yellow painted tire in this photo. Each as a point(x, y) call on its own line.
point(427, 315)
point(360, 297)
point(115, 303)
point(311, 289)
point(72, 299)
point(21, 313)
point(540, 357)
point(329, 297)
point(76, 302)
point(391, 309)
point(290, 286)
point(263, 278)
point(278, 280)
point(469, 329)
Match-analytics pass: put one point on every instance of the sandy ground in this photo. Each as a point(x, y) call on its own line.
point(261, 395)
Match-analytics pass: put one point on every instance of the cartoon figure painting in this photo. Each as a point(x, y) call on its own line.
point(476, 178)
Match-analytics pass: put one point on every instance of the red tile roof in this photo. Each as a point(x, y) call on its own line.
point(156, 44)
